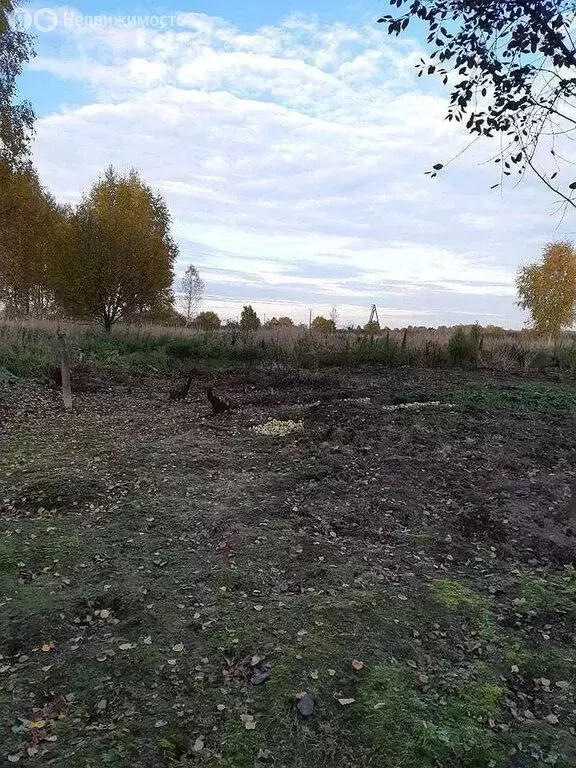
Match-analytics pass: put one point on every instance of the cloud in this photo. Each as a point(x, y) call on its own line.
point(292, 159)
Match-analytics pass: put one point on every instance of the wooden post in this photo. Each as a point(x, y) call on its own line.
point(65, 368)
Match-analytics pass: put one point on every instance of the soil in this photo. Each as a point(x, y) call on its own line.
point(500, 475)
point(363, 497)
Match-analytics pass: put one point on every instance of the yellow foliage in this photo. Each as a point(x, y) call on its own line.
point(121, 262)
point(30, 234)
point(547, 289)
point(323, 325)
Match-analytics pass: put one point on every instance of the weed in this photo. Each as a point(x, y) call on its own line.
point(28, 348)
point(454, 595)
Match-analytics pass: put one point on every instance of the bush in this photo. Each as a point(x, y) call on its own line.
point(182, 349)
point(464, 345)
point(207, 321)
point(323, 325)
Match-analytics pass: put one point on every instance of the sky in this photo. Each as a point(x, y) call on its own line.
point(290, 139)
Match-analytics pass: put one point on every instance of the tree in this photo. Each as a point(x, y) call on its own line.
point(35, 230)
point(249, 320)
point(192, 287)
point(121, 262)
point(547, 289)
point(372, 326)
point(279, 322)
point(16, 119)
point(323, 324)
point(512, 70)
point(207, 321)
point(334, 316)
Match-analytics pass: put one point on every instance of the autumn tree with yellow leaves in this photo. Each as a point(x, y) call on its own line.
point(32, 232)
point(547, 289)
point(120, 262)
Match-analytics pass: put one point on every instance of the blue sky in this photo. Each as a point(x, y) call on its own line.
point(290, 140)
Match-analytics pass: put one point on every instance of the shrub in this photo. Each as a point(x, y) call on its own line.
point(323, 324)
point(464, 345)
point(182, 349)
point(207, 321)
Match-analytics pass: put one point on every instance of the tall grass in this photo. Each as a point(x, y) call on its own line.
point(29, 348)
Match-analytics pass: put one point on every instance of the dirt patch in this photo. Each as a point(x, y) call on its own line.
point(179, 579)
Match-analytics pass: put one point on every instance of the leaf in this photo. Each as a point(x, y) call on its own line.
point(438, 166)
point(36, 724)
point(49, 646)
point(346, 702)
point(104, 613)
point(357, 665)
point(198, 744)
point(126, 646)
point(258, 607)
point(249, 722)
point(178, 648)
point(13, 758)
point(314, 674)
point(259, 675)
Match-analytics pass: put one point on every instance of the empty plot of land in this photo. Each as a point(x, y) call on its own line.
point(374, 586)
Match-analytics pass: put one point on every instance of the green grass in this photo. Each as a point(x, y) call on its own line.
point(533, 398)
point(29, 349)
point(454, 652)
point(424, 697)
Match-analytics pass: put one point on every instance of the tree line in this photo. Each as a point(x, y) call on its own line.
point(109, 258)
point(112, 256)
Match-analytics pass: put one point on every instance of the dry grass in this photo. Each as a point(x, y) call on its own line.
point(26, 345)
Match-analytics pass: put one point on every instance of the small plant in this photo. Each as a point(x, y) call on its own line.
point(182, 349)
point(464, 345)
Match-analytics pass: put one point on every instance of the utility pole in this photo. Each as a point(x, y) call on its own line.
point(310, 321)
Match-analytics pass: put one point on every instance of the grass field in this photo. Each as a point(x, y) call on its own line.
point(172, 584)
point(28, 348)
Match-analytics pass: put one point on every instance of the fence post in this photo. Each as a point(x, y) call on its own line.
point(65, 369)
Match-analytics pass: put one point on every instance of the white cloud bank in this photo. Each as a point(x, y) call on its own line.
point(292, 159)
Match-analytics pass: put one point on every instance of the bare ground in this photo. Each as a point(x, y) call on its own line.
point(236, 572)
